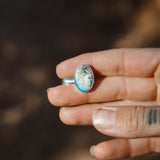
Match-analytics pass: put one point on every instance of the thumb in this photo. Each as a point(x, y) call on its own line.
point(157, 78)
point(128, 122)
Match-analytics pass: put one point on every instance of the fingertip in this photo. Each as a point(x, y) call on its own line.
point(111, 149)
point(70, 116)
point(65, 116)
point(100, 152)
point(60, 69)
point(91, 151)
point(66, 68)
point(54, 96)
point(62, 114)
point(50, 95)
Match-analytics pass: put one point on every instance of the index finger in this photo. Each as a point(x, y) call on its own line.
point(114, 62)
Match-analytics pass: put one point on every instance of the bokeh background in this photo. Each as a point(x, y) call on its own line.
point(35, 36)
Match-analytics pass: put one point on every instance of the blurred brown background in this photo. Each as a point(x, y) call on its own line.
point(36, 35)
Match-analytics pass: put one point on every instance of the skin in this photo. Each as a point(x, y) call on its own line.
point(124, 77)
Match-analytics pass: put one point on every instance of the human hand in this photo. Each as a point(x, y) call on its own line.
point(131, 78)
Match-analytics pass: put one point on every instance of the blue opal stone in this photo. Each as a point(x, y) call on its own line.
point(84, 78)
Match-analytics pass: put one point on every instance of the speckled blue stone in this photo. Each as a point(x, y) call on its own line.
point(84, 78)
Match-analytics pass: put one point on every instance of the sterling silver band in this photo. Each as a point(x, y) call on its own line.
point(68, 81)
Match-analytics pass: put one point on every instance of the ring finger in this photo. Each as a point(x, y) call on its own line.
point(105, 89)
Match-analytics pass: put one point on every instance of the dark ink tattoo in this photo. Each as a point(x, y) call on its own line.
point(150, 117)
point(155, 116)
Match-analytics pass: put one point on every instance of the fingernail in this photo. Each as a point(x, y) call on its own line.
point(48, 89)
point(104, 119)
point(91, 150)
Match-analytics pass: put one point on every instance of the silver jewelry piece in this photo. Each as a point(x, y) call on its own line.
point(83, 78)
point(68, 81)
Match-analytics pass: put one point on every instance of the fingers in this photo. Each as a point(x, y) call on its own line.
point(129, 122)
point(122, 148)
point(157, 78)
point(115, 62)
point(106, 89)
point(82, 115)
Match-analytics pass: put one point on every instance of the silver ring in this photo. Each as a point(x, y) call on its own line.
point(83, 78)
point(68, 81)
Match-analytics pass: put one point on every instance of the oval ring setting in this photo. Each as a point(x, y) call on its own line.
point(83, 78)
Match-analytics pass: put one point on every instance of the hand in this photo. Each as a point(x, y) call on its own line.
point(129, 77)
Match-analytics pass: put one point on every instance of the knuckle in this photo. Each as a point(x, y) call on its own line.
point(157, 79)
point(131, 119)
point(157, 74)
point(121, 67)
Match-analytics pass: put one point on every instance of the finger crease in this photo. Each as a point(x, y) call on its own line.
point(123, 62)
point(125, 84)
point(151, 145)
point(129, 148)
